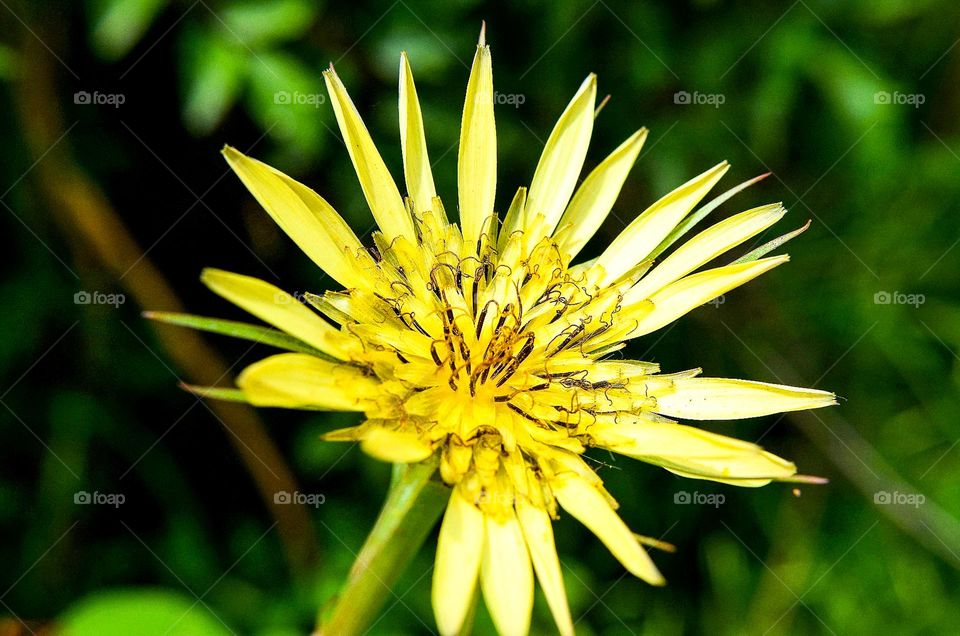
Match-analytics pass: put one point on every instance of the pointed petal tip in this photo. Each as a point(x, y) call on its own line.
point(775, 209)
point(640, 135)
point(589, 84)
point(208, 275)
point(659, 581)
point(808, 479)
point(603, 102)
point(656, 543)
point(754, 180)
point(482, 40)
point(231, 154)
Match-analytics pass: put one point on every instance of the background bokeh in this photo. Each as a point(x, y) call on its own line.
point(853, 107)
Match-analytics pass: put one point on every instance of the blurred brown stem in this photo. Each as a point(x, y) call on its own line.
point(90, 223)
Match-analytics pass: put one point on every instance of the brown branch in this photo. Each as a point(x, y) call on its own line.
point(96, 232)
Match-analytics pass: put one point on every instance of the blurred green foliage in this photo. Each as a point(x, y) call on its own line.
point(90, 398)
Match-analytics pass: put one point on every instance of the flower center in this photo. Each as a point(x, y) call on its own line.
point(493, 362)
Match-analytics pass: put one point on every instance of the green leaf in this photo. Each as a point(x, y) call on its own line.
point(234, 329)
point(257, 23)
point(8, 62)
point(214, 70)
point(287, 99)
point(145, 612)
point(121, 24)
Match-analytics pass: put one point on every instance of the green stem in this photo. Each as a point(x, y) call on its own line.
point(413, 505)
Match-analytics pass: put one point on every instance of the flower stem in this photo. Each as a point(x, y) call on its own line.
point(413, 505)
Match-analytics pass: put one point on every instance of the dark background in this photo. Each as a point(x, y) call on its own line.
point(852, 105)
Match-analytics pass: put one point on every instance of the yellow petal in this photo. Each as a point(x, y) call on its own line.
point(595, 197)
point(650, 228)
point(305, 217)
point(590, 508)
point(725, 399)
point(477, 159)
point(706, 246)
point(459, 549)
point(538, 533)
point(413, 142)
point(559, 167)
point(398, 447)
point(506, 576)
point(299, 380)
point(678, 298)
point(693, 452)
point(513, 220)
point(378, 186)
point(278, 308)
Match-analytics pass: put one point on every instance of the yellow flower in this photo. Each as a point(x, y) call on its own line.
point(485, 345)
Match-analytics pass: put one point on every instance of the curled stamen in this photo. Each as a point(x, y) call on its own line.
point(433, 352)
point(527, 416)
